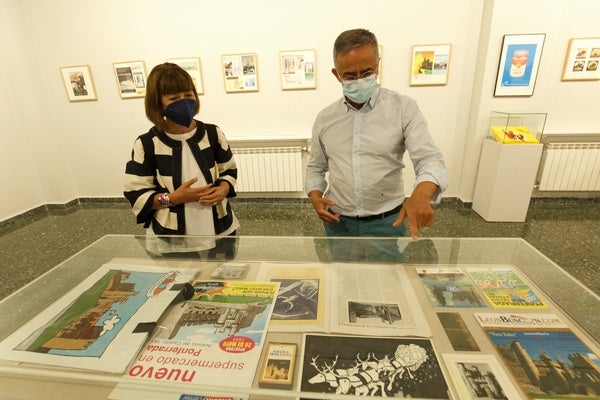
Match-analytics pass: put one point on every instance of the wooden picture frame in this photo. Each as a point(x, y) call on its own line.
point(131, 78)
point(193, 67)
point(582, 59)
point(519, 63)
point(79, 83)
point(240, 72)
point(298, 69)
point(430, 64)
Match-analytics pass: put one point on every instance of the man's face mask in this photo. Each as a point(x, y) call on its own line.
point(360, 90)
point(181, 112)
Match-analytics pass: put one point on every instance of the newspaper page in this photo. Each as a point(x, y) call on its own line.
point(215, 338)
point(504, 288)
point(544, 355)
point(374, 299)
point(95, 325)
point(302, 298)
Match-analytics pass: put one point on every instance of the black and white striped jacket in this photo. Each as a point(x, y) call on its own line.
point(155, 166)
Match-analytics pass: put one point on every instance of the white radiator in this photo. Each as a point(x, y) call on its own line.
point(571, 167)
point(269, 169)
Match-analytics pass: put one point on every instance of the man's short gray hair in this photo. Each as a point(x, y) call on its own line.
point(351, 39)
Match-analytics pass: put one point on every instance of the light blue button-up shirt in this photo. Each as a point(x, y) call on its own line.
point(362, 150)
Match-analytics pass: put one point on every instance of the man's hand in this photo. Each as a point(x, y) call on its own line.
point(321, 205)
point(417, 209)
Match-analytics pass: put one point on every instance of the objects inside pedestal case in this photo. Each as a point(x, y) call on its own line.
point(516, 128)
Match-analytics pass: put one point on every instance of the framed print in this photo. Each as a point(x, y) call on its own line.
point(192, 67)
point(79, 83)
point(240, 72)
point(298, 69)
point(429, 64)
point(131, 78)
point(380, 65)
point(519, 64)
point(581, 62)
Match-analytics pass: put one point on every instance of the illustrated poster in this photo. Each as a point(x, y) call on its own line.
point(450, 288)
point(373, 366)
point(94, 325)
point(503, 288)
point(215, 338)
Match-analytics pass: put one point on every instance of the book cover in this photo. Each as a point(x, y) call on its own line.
point(278, 366)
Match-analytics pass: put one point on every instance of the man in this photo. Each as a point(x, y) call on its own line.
point(360, 141)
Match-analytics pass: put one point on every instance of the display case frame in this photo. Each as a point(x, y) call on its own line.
point(567, 297)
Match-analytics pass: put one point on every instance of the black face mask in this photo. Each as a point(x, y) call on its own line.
point(181, 112)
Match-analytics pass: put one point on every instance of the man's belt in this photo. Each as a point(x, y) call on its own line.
point(377, 216)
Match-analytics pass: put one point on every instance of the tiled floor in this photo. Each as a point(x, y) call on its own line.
point(567, 231)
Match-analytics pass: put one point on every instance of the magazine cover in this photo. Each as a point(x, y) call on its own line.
point(449, 288)
point(503, 288)
point(546, 358)
point(301, 300)
point(94, 326)
point(215, 338)
point(371, 366)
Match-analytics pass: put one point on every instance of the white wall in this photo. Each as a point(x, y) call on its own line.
point(54, 150)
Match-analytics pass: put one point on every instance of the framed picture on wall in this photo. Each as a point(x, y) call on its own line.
point(240, 72)
point(581, 62)
point(79, 83)
point(429, 64)
point(192, 67)
point(519, 64)
point(380, 65)
point(298, 69)
point(131, 78)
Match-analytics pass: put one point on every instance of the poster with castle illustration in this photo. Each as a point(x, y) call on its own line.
point(96, 326)
point(214, 338)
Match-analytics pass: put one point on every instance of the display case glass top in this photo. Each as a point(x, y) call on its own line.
point(516, 128)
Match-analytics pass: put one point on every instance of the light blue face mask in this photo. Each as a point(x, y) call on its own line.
point(360, 91)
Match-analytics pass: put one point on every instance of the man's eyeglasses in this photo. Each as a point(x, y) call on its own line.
point(366, 74)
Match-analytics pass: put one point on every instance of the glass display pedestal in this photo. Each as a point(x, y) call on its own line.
point(509, 162)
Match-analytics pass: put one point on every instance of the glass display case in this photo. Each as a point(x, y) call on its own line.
point(478, 279)
point(516, 128)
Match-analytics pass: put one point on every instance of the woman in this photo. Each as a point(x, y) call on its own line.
point(181, 171)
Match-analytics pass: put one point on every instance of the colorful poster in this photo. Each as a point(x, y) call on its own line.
point(215, 338)
point(95, 326)
point(503, 288)
point(449, 288)
point(518, 65)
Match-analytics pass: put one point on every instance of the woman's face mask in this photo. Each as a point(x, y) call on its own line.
point(181, 112)
point(360, 91)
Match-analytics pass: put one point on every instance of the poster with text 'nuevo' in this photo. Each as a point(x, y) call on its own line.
point(94, 326)
point(215, 338)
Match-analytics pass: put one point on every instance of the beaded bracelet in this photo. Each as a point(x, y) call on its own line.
point(164, 200)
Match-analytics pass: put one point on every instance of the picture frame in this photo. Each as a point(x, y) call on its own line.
point(380, 64)
point(131, 78)
point(298, 69)
point(430, 64)
point(79, 83)
point(240, 72)
point(582, 59)
point(192, 66)
point(518, 65)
